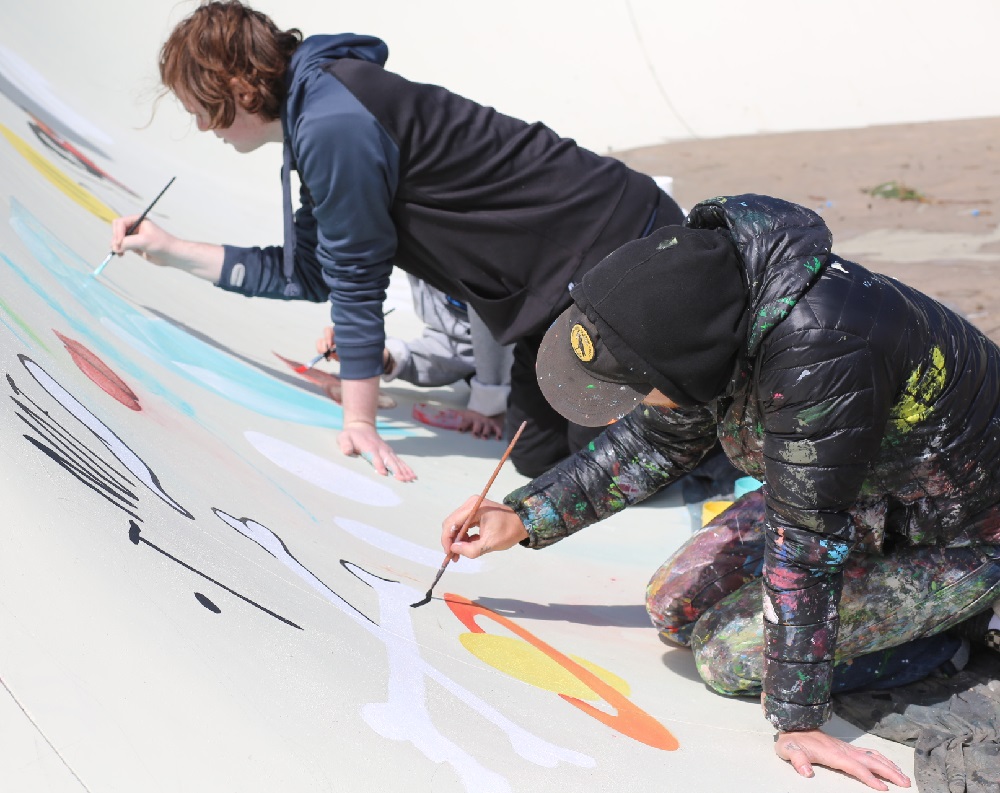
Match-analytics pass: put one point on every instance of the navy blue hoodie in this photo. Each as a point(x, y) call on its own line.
point(496, 212)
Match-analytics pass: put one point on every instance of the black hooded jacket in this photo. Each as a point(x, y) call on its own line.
point(491, 210)
point(870, 411)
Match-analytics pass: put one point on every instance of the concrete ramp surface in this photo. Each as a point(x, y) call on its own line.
point(199, 592)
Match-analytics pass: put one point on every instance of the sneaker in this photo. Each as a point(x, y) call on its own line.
point(982, 630)
point(992, 639)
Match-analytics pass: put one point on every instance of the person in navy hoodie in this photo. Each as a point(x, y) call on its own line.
point(500, 214)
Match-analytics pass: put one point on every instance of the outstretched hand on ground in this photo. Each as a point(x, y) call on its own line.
point(814, 747)
point(361, 438)
point(485, 427)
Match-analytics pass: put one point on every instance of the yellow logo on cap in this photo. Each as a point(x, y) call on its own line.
point(581, 343)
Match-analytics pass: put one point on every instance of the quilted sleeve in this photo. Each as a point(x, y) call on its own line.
point(824, 405)
point(629, 461)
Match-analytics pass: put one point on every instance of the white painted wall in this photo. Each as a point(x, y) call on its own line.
point(612, 75)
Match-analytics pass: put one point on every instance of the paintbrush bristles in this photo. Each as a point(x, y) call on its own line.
point(472, 513)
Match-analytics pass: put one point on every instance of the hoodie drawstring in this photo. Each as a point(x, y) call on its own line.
point(292, 289)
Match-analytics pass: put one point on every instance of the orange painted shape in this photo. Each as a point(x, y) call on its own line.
point(100, 373)
point(629, 719)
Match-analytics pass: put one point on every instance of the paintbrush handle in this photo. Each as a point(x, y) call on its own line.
point(316, 360)
point(131, 229)
point(482, 496)
point(471, 515)
point(134, 225)
point(440, 572)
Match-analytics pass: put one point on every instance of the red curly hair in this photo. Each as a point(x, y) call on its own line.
point(225, 45)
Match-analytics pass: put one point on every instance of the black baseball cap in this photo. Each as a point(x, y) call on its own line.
point(580, 377)
point(668, 311)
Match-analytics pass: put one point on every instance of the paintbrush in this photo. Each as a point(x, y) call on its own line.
point(472, 514)
point(131, 229)
point(313, 361)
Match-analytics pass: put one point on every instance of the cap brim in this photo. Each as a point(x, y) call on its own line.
point(572, 390)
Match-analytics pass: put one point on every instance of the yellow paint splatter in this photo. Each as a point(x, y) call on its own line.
point(82, 196)
point(922, 389)
point(712, 509)
point(529, 664)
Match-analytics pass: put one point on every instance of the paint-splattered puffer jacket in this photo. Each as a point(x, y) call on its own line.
point(869, 410)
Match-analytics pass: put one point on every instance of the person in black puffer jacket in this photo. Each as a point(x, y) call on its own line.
point(870, 412)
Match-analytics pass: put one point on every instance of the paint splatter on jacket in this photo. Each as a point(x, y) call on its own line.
point(871, 412)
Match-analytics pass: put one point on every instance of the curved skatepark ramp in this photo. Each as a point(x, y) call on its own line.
point(198, 591)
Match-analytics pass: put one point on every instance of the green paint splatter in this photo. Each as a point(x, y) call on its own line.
point(816, 412)
point(23, 325)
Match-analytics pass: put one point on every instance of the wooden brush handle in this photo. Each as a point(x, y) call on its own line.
point(496, 471)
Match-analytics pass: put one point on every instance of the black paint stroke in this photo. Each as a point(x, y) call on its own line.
point(204, 600)
point(59, 434)
point(76, 457)
point(73, 456)
point(291, 556)
point(79, 460)
point(136, 538)
point(158, 490)
point(80, 475)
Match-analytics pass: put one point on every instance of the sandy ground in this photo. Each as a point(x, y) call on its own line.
point(945, 240)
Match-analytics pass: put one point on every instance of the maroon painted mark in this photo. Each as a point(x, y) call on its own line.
point(329, 382)
point(67, 150)
point(99, 372)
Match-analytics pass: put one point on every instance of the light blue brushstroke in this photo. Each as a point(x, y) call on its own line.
point(123, 363)
point(12, 330)
point(159, 341)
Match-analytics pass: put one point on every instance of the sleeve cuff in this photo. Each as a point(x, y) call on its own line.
point(489, 400)
point(790, 717)
point(400, 354)
point(532, 512)
point(234, 269)
point(360, 363)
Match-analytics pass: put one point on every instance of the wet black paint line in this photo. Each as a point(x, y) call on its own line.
point(59, 435)
point(79, 475)
point(207, 603)
point(135, 537)
point(136, 466)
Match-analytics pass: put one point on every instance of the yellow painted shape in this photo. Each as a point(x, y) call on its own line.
point(712, 509)
point(83, 197)
point(529, 664)
point(922, 388)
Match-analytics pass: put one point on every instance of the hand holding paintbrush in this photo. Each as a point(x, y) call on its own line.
point(132, 228)
point(453, 533)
